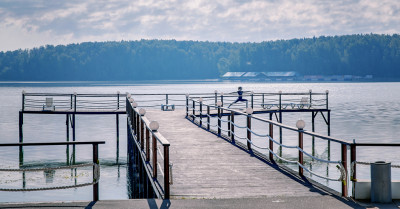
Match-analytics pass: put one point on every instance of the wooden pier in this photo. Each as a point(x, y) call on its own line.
point(206, 166)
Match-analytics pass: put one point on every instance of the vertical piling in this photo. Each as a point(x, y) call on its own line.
point(96, 161)
point(344, 163)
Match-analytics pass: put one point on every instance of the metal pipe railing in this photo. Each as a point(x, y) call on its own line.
point(95, 156)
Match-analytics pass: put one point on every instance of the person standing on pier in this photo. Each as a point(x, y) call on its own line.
point(240, 97)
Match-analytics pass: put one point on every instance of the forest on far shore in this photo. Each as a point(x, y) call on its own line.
point(369, 54)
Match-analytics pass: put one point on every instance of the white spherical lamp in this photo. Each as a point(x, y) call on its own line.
point(134, 104)
point(142, 112)
point(219, 104)
point(201, 99)
point(280, 92)
point(187, 95)
point(327, 91)
point(300, 124)
point(130, 100)
point(154, 125)
point(249, 110)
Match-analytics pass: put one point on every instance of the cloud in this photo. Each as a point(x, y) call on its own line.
point(30, 23)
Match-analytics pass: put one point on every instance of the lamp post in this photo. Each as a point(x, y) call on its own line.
point(300, 124)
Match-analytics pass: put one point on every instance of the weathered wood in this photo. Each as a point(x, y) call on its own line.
point(206, 166)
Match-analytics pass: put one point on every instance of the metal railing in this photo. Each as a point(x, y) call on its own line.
point(72, 102)
point(147, 139)
point(95, 164)
point(196, 113)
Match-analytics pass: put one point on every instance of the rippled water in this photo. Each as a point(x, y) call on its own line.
point(366, 112)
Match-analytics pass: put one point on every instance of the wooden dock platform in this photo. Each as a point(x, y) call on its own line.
point(206, 166)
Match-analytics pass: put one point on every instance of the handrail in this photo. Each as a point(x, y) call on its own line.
point(96, 167)
point(145, 133)
point(231, 134)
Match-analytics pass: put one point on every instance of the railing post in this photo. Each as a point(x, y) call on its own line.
point(154, 143)
point(201, 112)
point(187, 105)
point(71, 102)
point(208, 118)
point(147, 145)
point(232, 126)
point(118, 100)
point(248, 132)
point(96, 161)
point(222, 99)
point(300, 124)
point(310, 98)
point(166, 99)
point(263, 101)
point(252, 100)
point(344, 163)
point(23, 100)
point(166, 172)
point(229, 125)
point(300, 152)
point(353, 158)
point(219, 121)
point(216, 97)
point(194, 110)
point(271, 143)
point(327, 104)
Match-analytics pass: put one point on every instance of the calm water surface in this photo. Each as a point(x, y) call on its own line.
point(366, 112)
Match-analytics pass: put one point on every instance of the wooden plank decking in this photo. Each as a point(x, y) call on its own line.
point(205, 166)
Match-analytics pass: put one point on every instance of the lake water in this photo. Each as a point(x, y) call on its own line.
point(366, 112)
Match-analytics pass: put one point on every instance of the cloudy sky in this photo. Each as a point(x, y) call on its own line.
point(31, 23)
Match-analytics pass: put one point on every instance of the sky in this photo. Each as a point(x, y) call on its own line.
point(25, 24)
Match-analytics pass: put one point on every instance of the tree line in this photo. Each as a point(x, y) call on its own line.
point(368, 54)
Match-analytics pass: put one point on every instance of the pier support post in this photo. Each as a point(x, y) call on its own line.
point(96, 161)
point(147, 145)
point(344, 163)
point(154, 143)
point(313, 130)
point(229, 125)
point(21, 138)
point(353, 156)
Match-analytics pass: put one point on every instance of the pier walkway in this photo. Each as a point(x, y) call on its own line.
point(206, 166)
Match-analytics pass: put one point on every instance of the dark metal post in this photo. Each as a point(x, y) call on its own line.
point(344, 162)
point(201, 114)
point(117, 123)
point(96, 161)
point(280, 121)
point(300, 152)
point(187, 105)
point(166, 172)
point(73, 119)
point(229, 125)
point(154, 142)
point(71, 102)
point(219, 121)
point(147, 145)
point(222, 100)
point(166, 100)
point(23, 100)
point(252, 100)
point(313, 130)
point(263, 100)
point(233, 126)
point(208, 118)
point(353, 158)
point(327, 104)
point(194, 110)
point(118, 100)
point(21, 138)
point(248, 132)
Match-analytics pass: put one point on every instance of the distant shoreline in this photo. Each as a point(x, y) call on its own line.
point(149, 82)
